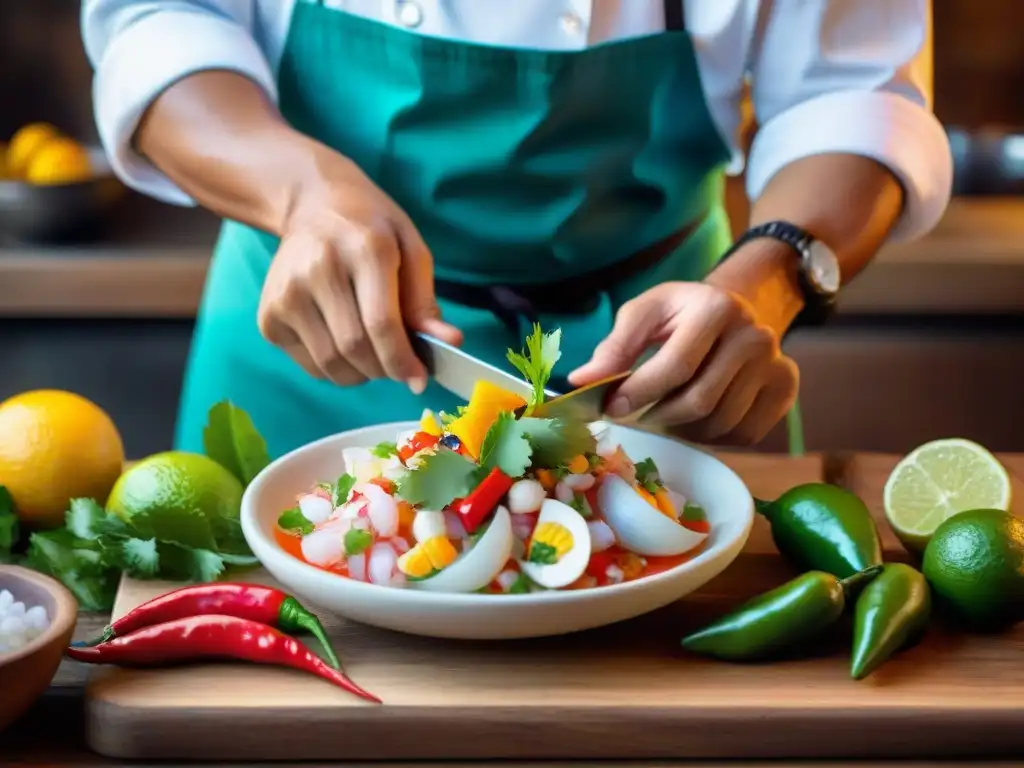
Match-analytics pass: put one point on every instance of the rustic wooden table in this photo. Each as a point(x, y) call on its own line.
point(52, 733)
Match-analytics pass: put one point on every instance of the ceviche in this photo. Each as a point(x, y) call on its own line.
point(497, 499)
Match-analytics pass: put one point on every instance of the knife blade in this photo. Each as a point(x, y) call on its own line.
point(459, 371)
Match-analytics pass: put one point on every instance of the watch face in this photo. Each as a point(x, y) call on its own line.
point(823, 268)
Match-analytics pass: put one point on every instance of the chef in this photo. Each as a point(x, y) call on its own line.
point(468, 167)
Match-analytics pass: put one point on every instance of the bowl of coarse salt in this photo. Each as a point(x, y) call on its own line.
point(37, 619)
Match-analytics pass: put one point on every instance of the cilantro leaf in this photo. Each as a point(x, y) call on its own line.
point(384, 450)
point(505, 446)
point(441, 478)
point(176, 525)
point(537, 361)
point(86, 519)
point(140, 557)
point(342, 489)
point(183, 564)
point(543, 553)
point(293, 521)
point(231, 439)
point(245, 561)
point(520, 586)
point(8, 522)
point(647, 475)
point(557, 441)
point(357, 541)
point(580, 504)
point(79, 564)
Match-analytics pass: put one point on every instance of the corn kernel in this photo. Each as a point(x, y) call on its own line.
point(415, 563)
point(578, 465)
point(439, 551)
point(556, 536)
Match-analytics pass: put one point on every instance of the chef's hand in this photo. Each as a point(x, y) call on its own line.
point(351, 277)
point(719, 372)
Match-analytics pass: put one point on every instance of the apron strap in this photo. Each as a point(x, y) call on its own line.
point(675, 16)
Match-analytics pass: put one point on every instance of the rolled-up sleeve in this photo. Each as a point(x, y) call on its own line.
point(140, 48)
point(851, 76)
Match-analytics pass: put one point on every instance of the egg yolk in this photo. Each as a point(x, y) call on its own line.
point(550, 543)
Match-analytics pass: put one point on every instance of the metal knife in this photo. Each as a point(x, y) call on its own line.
point(458, 371)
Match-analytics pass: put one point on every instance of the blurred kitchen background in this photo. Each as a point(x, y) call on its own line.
point(929, 341)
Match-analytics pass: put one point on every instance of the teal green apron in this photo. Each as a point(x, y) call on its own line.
point(517, 166)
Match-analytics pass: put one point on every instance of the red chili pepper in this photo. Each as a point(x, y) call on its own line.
point(484, 498)
point(209, 637)
point(591, 496)
point(421, 441)
point(253, 602)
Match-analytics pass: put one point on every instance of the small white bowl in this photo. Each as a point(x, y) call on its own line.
point(698, 475)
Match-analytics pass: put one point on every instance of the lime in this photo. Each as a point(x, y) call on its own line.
point(185, 498)
point(938, 480)
point(975, 565)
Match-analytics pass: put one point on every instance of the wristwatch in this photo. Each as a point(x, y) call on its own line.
point(818, 269)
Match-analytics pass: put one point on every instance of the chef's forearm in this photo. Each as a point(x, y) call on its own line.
point(218, 136)
point(848, 202)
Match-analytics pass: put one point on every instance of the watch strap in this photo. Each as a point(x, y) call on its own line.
point(818, 307)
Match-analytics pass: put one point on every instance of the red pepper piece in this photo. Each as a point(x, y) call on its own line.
point(598, 564)
point(421, 441)
point(697, 526)
point(384, 484)
point(484, 498)
point(591, 496)
point(253, 602)
point(210, 637)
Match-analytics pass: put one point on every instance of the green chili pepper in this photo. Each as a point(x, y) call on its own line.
point(891, 613)
point(778, 620)
point(825, 528)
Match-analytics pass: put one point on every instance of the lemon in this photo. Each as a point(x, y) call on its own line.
point(181, 497)
point(4, 171)
point(59, 161)
point(24, 145)
point(56, 446)
point(938, 480)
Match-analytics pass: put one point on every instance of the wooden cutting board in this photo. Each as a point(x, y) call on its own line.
point(623, 692)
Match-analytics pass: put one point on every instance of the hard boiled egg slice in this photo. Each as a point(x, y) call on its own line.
point(638, 526)
point(476, 568)
point(559, 548)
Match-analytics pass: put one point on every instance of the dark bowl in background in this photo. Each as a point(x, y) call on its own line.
point(987, 161)
point(60, 212)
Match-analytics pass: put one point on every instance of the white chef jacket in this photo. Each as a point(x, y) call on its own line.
point(847, 76)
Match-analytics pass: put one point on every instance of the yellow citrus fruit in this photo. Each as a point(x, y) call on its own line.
point(60, 161)
point(3, 162)
point(25, 143)
point(56, 446)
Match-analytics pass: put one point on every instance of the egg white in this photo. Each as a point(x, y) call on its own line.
point(638, 526)
point(574, 562)
point(476, 568)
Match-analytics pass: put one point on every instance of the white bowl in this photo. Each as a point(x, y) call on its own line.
point(698, 475)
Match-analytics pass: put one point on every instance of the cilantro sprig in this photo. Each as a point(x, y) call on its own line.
point(537, 361)
point(439, 479)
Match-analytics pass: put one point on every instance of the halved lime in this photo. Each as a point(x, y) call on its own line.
point(938, 480)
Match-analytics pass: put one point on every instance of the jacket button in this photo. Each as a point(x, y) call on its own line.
point(409, 14)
